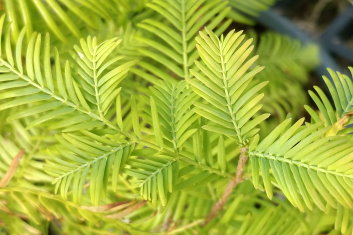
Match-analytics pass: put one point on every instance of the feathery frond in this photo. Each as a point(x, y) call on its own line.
point(172, 47)
point(344, 221)
point(155, 176)
point(59, 16)
point(100, 74)
point(286, 55)
point(337, 115)
point(171, 110)
point(287, 63)
point(246, 11)
point(44, 89)
point(284, 220)
point(224, 80)
point(91, 156)
point(310, 168)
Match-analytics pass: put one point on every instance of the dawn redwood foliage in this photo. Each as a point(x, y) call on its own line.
point(162, 117)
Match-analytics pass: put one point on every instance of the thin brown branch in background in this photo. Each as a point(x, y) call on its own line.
point(115, 206)
point(317, 11)
point(238, 178)
point(12, 169)
point(127, 211)
point(186, 227)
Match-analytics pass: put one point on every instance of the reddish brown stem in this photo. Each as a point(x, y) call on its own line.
point(127, 211)
point(115, 206)
point(12, 169)
point(238, 178)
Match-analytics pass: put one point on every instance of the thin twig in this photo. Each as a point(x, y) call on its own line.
point(316, 12)
point(115, 206)
point(238, 178)
point(186, 227)
point(12, 169)
point(127, 211)
point(310, 23)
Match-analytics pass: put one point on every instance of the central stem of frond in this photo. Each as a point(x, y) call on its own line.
point(238, 178)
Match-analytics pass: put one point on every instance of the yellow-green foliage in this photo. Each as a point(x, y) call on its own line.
point(132, 114)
